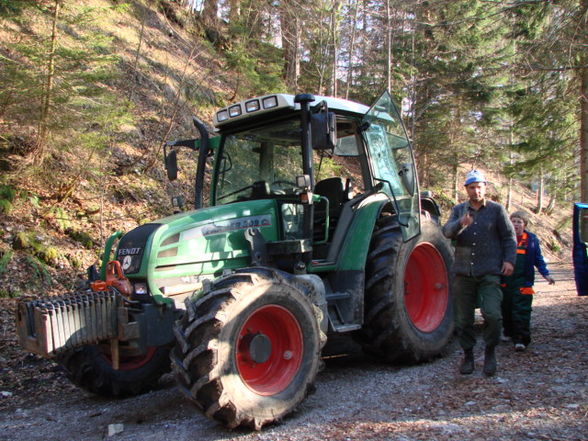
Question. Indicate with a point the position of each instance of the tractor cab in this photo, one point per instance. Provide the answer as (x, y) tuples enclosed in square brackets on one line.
[(315, 160)]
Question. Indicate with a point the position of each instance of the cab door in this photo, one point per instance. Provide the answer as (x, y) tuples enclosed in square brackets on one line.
[(580, 252), (392, 161)]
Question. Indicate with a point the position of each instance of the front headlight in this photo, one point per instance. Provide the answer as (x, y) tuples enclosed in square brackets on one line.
[(235, 110), (141, 288), (270, 102), (252, 106), (223, 115)]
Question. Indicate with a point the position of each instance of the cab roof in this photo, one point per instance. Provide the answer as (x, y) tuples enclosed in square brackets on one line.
[(278, 102)]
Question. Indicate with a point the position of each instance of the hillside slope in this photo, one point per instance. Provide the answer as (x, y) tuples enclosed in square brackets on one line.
[(55, 218), (104, 173)]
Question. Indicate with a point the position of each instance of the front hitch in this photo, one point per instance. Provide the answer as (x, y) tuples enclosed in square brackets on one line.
[(52, 325)]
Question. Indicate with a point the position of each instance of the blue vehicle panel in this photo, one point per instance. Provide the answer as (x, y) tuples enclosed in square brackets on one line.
[(580, 252)]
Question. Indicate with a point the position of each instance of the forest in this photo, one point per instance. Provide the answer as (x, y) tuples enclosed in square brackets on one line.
[(90, 91)]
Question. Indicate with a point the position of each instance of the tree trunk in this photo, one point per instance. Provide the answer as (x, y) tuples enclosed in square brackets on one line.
[(455, 180), (584, 113), (234, 12), (48, 92), (423, 168), (539, 208), (550, 205), (351, 47), (335, 43), (290, 25), (413, 90), (509, 191), (138, 51), (388, 47), (363, 66), (210, 14)]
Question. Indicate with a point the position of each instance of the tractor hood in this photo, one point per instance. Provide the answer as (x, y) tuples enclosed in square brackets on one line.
[(177, 252)]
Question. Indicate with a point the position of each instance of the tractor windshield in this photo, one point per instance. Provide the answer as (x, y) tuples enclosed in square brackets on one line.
[(259, 162)]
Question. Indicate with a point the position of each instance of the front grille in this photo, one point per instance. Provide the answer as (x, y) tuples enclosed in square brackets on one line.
[(131, 247), (52, 325)]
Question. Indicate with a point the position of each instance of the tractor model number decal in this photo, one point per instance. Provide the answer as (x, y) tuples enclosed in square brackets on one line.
[(221, 227)]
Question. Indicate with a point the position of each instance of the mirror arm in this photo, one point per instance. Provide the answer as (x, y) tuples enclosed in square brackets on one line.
[(202, 155), (306, 137)]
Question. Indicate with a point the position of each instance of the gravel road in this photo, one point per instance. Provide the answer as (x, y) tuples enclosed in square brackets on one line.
[(539, 394)]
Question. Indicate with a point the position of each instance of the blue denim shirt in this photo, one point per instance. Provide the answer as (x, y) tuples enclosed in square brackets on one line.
[(482, 247)]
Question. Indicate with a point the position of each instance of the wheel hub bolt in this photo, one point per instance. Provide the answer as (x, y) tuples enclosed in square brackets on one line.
[(288, 355)]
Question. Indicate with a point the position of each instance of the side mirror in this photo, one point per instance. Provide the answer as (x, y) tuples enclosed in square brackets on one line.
[(171, 165), (178, 203), (324, 130)]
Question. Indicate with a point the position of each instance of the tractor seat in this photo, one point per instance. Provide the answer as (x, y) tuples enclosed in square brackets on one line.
[(336, 190)]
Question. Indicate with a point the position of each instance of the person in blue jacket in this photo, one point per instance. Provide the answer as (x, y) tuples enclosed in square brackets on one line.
[(517, 289)]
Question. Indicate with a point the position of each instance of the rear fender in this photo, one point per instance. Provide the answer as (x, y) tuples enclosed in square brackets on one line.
[(354, 251), (350, 247), (430, 206)]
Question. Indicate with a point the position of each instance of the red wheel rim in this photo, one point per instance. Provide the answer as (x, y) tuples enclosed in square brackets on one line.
[(426, 287), (129, 363), (271, 372)]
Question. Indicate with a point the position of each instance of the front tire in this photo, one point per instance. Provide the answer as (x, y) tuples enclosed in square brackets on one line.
[(90, 368), (248, 348), (409, 305)]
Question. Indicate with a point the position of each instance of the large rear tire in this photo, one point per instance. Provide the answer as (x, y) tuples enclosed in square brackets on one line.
[(248, 348), (409, 305), (90, 367)]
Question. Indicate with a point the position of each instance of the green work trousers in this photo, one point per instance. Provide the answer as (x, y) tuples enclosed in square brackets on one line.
[(516, 311), (467, 290)]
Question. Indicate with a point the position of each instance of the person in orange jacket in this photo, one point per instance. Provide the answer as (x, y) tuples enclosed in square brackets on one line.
[(517, 289)]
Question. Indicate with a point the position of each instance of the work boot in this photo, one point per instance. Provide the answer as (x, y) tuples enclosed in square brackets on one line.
[(489, 361), (467, 364)]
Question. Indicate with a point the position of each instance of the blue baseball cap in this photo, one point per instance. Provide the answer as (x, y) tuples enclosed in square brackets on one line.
[(474, 176)]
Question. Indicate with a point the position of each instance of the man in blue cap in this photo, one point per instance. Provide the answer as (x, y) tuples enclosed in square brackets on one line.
[(485, 249)]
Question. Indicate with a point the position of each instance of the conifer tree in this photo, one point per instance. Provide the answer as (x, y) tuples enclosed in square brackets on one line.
[(458, 59), (542, 102), (58, 85)]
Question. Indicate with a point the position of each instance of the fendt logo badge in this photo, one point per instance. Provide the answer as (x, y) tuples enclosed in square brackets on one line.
[(128, 254), (126, 263)]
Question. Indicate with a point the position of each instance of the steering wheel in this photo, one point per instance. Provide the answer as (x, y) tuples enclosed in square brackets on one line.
[(278, 182), (292, 186), (234, 192)]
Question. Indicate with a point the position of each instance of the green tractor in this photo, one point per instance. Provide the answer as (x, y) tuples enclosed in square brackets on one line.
[(314, 229)]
